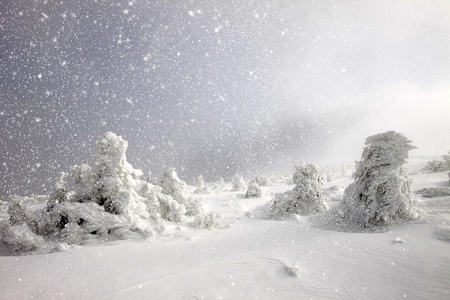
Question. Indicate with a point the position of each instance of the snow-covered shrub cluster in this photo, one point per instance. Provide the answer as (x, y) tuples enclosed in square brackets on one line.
[(439, 165), (261, 181), (110, 200), (436, 166), (305, 198), (219, 185), (381, 191)]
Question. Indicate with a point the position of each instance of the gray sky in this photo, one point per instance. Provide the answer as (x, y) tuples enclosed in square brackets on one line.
[(217, 87)]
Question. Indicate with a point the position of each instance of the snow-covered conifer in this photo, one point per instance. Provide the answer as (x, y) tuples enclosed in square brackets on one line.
[(179, 191), (200, 182), (305, 198), (85, 180), (381, 192), (59, 193), (174, 186), (201, 187), (238, 183), (114, 175)]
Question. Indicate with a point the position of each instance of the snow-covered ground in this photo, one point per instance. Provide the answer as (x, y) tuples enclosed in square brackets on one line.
[(254, 258)]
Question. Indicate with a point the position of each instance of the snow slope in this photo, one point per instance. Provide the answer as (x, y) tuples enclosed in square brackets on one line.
[(255, 258)]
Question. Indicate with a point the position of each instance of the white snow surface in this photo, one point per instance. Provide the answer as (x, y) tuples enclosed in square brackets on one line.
[(255, 258)]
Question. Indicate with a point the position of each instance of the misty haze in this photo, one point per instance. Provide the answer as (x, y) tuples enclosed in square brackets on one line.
[(224, 149)]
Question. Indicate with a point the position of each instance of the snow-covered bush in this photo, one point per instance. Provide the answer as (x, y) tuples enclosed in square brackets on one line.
[(208, 221), (22, 239), (201, 187), (218, 185), (59, 193), (115, 178), (22, 231), (447, 159), (436, 166), (381, 192), (261, 181), (85, 179), (305, 198), (328, 175), (174, 186), (179, 191), (110, 199), (439, 165), (238, 183), (254, 191), (220, 182), (200, 182)]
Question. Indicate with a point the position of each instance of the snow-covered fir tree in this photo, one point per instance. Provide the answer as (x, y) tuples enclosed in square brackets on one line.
[(381, 192), (238, 183), (201, 187), (218, 185), (115, 177), (174, 186), (59, 193), (305, 198)]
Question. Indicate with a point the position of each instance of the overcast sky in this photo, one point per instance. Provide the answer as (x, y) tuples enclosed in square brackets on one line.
[(217, 87)]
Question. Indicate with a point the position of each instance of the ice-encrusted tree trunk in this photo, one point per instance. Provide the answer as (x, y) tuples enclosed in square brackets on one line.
[(305, 198), (381, 192)]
